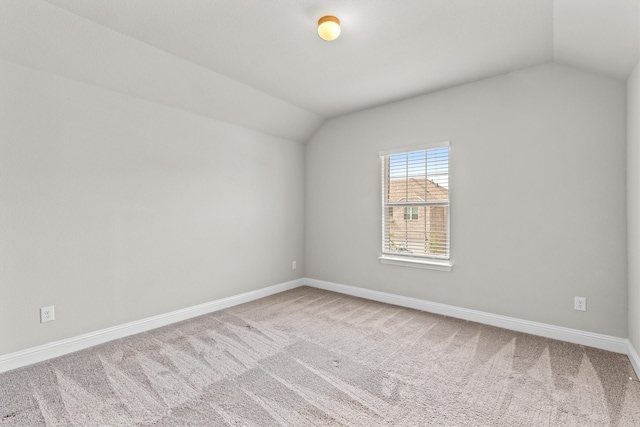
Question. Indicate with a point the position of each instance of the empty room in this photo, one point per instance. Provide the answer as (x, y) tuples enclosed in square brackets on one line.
[(320, 212)]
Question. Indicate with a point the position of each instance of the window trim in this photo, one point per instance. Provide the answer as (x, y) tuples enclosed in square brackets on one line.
[(426, 263), (431, 263)]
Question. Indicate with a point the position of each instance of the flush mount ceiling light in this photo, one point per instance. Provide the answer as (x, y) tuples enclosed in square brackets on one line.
[(328, 28)]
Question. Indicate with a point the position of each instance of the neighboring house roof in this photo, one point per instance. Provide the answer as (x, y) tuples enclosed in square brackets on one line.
[(416, 190)]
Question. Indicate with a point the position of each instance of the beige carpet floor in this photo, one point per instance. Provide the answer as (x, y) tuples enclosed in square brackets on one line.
[(308, 357)]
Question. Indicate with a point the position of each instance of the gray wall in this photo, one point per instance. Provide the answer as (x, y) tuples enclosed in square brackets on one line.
[(115, 209), (538, 197), (633, 203)]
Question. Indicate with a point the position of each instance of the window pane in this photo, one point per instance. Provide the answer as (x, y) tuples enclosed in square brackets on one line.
[(415, 198), (438, 174), (407, 175), (411, 213), (424, 236)]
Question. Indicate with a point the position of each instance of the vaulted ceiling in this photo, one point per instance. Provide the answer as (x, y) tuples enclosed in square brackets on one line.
[(267, 52)]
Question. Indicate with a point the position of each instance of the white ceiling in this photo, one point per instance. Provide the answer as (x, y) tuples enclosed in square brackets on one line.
[(598, 35), (388, 50)]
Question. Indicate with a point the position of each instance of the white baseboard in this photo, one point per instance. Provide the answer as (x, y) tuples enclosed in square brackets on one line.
[(59, 348), (604, 342), (635, 359)]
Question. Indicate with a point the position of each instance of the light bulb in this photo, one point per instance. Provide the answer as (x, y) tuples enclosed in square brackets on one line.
[(328, 28)]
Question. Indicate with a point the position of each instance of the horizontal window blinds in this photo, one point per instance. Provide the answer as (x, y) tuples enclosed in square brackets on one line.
[(415, 202)]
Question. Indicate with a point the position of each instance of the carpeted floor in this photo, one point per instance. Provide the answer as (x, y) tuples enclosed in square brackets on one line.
[(309, 357)]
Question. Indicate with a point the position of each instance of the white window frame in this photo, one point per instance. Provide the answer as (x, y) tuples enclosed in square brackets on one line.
[(432, 263)]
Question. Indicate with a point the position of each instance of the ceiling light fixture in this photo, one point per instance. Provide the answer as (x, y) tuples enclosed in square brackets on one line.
[(328, 28)]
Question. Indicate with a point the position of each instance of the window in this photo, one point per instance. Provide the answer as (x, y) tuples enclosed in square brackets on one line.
[(415, 206), (411, 213)]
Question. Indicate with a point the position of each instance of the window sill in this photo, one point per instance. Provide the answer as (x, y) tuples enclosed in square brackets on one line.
[(428, 264)]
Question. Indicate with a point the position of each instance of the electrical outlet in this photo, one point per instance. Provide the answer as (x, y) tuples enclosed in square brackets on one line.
[(47, 314), (580, 304), (293, 265)]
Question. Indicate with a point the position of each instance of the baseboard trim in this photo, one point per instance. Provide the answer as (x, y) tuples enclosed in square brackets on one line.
[(604, 342), (635, 359), (59, 348)]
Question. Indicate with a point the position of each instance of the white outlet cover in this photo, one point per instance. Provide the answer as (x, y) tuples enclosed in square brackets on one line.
[(47, 314), (580, 304)]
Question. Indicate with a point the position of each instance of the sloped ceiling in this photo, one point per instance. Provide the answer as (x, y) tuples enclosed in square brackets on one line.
[(597, 35), (265, 56)]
